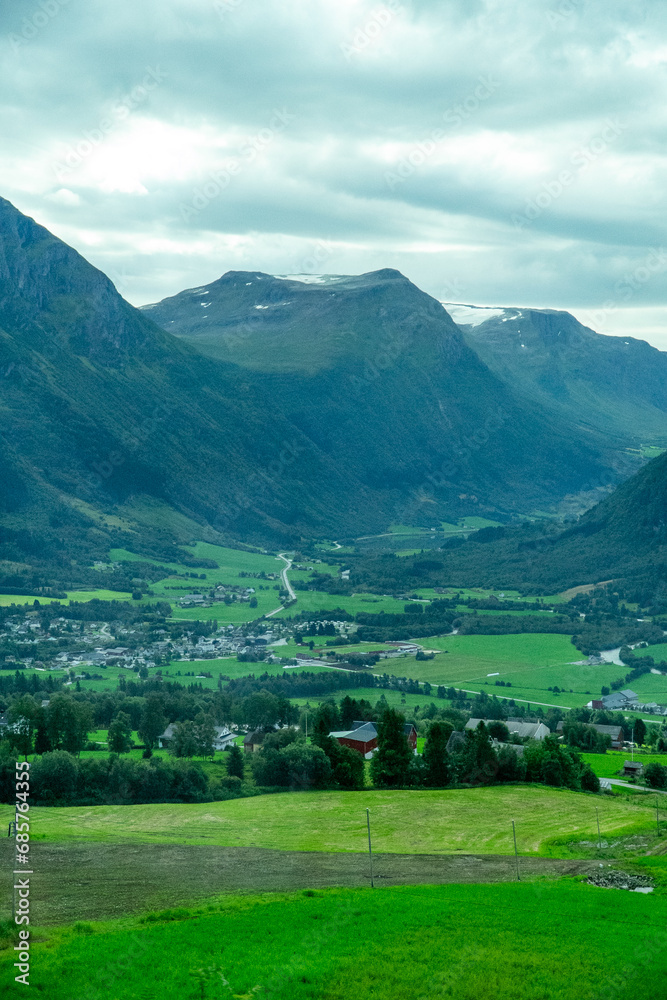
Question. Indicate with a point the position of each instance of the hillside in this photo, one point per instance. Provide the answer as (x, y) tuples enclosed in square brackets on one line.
[(376, 372), (363, 406), (617, 385), (623, 538)]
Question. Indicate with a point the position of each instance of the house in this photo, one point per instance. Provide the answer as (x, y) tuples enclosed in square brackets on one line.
[(223, 737), (456, 741), (524, 730), (253, 741), (615, 733), (634, 768)]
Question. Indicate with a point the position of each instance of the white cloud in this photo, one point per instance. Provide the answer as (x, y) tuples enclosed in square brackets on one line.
[(512, 92)]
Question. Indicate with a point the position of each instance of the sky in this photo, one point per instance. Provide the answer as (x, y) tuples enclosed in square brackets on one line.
[(496, 152)]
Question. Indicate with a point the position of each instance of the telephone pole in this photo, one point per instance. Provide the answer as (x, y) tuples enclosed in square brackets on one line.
[(370, 851), (516, 853)]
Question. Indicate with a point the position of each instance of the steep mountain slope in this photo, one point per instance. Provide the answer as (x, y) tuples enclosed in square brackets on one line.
[(102, 407), (617, 385), (622, 539), (376, 372)]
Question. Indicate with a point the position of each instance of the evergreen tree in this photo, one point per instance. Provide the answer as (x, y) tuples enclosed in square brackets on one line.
[(390, 763), (436, 758), (153, 722), (235, 762)]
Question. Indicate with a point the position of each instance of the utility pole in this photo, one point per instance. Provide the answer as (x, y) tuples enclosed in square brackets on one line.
[(657, 815), (632, 747), (370, 851), (516, 853), (597, 816)]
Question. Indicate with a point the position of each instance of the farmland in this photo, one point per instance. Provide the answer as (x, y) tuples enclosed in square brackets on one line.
[(476, 820), (394, 942)]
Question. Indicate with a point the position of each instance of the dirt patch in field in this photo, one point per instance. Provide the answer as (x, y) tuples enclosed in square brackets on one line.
[(97, 881)]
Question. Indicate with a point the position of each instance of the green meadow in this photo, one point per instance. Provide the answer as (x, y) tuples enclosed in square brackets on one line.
[(523, 941), (609, 764), (473, 821)]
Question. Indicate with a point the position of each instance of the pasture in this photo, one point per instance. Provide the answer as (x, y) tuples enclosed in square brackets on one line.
[(474, 659), (505, 941), (474, 820)]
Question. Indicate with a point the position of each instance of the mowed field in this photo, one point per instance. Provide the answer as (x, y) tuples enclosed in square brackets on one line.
[(531, 662), (477, 820), (502, 942)]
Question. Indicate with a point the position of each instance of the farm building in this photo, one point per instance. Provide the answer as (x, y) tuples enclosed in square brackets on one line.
[(363, 737), (633, 768)]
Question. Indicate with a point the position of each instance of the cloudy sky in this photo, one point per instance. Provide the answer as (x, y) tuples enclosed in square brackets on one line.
[(501, 152)]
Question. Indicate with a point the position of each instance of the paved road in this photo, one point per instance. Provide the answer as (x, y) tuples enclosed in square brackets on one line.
[(286, 584), (634, 788), (283, 575)]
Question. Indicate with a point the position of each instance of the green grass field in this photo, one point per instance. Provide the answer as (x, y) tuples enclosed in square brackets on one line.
[(6, 600), (315, 600), (476, 820), (607, 765), (522, 941), (471, 658)]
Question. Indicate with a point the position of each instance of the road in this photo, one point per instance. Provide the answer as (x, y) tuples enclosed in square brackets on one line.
[(283, 575), (286, 584), (635, 788)]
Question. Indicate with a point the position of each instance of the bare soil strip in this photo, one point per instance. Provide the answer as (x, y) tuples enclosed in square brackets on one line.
[(99, 881)]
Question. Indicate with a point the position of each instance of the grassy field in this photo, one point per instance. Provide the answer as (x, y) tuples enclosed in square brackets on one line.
[(476, 820), (505, 942), (6, 600), (606, 765), (470, 659), (315, 600)]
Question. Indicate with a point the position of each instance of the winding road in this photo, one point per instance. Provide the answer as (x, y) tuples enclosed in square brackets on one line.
[(286, 584)]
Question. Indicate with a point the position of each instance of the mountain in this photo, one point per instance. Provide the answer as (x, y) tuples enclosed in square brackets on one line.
[(616, 385), (103, 411), (360, 405), (378, 375)]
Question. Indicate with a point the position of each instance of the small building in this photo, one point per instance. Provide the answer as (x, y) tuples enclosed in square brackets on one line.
[(456, 741), (633, 768), (253, 741)]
